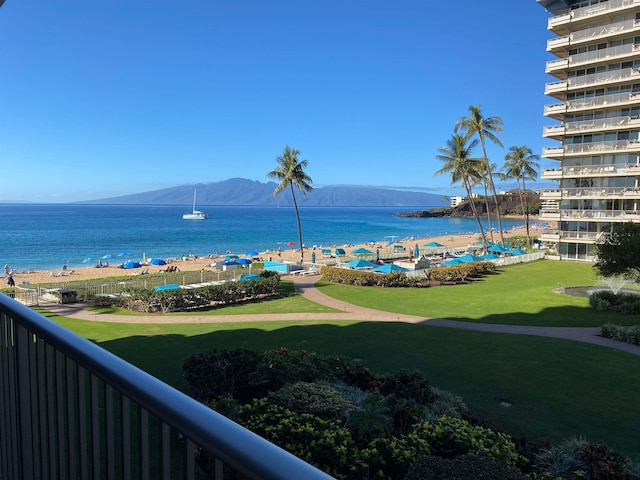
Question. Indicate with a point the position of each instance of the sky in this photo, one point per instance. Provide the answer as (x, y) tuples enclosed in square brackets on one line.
[(101, 99)]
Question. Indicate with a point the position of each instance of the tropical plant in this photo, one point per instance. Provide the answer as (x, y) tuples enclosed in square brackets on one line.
[(461, 167), (371, 419), (484, 128), (322, 401), (520, 164), (290, 172), (464, 467), (617, 254)]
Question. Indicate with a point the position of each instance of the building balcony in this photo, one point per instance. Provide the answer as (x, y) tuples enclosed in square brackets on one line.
[(550, 236), (588, 15), (547, 215), (558, 110), (600, 170), (611, 54), (581, 237), (73, 410), (551, 174), (580, 149), (550, 194), (558, 89), (600, 215)]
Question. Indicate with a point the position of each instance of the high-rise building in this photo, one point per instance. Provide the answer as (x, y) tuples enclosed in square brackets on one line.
[(596, 108)]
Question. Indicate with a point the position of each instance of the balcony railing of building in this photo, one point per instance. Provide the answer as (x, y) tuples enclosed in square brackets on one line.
[(589, 33), (592, 147), (607, 215), (617, 123), (611, 53), (594, 79), (593, 102), (591, 11), (584, 236), (590, 192), (589, 171), (70, 409)]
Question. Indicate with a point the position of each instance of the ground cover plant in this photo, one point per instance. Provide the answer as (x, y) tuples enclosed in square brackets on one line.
[(523, 294)]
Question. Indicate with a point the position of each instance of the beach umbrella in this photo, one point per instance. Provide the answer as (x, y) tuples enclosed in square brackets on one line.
[(231, 258), (124, 254), (131, 264), (389, 268), (291, 244), (360, 263), (157, 261), (497, 249), (361, 251), (453, 261), (416, 251), (87, 260), (229, 262), (433, 245), (468, 258), (488, 256), (252, 253), (107, 256), (243, 261)]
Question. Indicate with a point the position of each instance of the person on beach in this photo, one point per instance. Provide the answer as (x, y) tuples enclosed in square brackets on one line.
[(6, 270), (10, 281)]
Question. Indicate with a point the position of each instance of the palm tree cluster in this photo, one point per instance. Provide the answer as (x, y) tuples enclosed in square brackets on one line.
[(471, 171)]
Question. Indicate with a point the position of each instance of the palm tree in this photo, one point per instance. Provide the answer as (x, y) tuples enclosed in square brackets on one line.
[(459, 164), (520, 163), (484, 128), (290, 172)]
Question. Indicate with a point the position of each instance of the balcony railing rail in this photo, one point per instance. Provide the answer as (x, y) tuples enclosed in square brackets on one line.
[(591, 147), (71, 410), (600, 214), (593, 102), (593, 192), (595, 79), (597, 55)]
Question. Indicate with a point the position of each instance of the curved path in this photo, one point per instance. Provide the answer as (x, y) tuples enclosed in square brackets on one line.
[(305, 286)]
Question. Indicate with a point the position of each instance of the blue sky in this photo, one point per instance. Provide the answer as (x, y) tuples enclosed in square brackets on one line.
[(101, 99)]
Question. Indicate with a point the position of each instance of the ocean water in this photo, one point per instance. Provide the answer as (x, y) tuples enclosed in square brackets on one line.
[(49, 236)]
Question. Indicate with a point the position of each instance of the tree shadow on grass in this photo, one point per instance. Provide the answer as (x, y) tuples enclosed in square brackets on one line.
[(557, 388)]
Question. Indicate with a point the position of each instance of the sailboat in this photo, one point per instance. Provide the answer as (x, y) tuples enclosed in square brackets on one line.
[(195, 214)]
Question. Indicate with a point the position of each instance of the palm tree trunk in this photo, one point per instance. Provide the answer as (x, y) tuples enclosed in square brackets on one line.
[(486, 205), (472, 204), (295, 204), (526, 215), (493, 188), (524, 209)]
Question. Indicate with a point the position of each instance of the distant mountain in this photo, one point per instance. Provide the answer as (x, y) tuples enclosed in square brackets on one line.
[(240, 191)]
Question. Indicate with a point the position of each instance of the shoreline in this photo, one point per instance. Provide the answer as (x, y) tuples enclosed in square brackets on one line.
[(454, 241)]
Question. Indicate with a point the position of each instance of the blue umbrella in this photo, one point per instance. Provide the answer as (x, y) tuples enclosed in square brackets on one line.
[(124, 254), (244, 261), (229, 263), (107, 256), (361, 264), (453, 261), (87, 260), (390, 267), (157, 261), (469, 258), (231, 258), (131, 264), (252, 253), (497, 249), (433, 245), (362, 251), (489, 256)]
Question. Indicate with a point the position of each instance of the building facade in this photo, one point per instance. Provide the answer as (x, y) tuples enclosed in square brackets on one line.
[(596, 112)]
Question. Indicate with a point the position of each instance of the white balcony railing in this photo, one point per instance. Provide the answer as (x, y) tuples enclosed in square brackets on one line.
[(599, 170), (590, 192), (593, 33), (591, 125), (593, 102), (593, 147), (620, 215), (593, 79)]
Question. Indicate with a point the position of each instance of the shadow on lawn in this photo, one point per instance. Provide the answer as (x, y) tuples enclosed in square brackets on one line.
[(538, 374)]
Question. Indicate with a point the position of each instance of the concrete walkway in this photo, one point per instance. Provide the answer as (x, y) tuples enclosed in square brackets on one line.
[(305, 286)]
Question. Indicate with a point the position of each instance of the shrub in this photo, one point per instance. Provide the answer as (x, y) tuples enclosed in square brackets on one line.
[(320, 400), (451, 437), (465, 467), (218, 374), (621, 333), (445, 403), (324, 444), (408, 383), (561, 460)]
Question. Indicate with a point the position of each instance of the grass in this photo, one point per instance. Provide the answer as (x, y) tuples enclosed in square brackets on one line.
[(521, 294), (557, 388)]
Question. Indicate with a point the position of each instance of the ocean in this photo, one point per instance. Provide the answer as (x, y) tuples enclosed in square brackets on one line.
[(48, 236)]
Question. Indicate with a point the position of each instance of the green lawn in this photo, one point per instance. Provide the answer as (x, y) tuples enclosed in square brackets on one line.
[(518, 295), (557, 388)]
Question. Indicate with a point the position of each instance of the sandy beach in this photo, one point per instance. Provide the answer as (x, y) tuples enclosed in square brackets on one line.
[(290, 254)]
